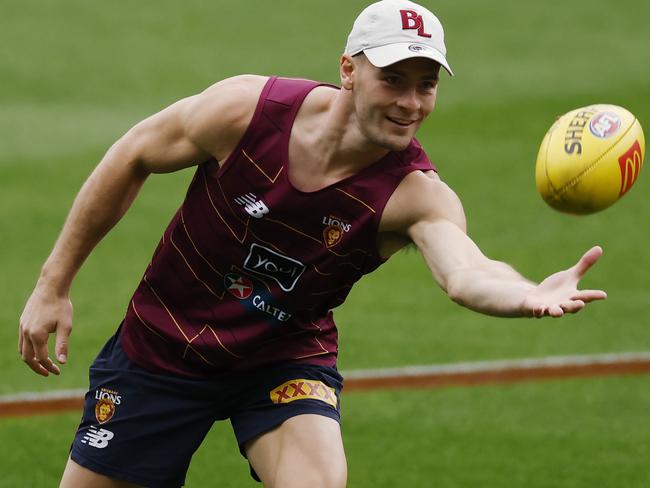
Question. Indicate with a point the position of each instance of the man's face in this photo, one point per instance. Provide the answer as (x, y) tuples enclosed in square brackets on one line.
[(391, 102)]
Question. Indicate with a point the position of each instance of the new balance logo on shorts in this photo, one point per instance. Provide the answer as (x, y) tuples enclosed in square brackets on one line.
[(97, 438)]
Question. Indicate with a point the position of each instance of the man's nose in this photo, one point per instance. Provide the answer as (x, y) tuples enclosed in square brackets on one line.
[(409, 101)]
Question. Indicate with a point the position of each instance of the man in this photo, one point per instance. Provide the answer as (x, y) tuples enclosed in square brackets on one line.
[(301, 188)]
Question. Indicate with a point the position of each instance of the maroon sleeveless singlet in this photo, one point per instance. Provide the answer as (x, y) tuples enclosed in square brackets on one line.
[(249, 269)]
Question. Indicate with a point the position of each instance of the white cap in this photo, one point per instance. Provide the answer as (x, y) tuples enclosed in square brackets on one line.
[(390, 31)]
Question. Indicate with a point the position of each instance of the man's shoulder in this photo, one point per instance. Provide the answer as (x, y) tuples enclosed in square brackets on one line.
[(233, 92), (220, 114), (249, 86), (421, 196)]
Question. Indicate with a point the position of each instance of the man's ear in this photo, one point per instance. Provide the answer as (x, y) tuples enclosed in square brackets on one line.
[(347, 72)]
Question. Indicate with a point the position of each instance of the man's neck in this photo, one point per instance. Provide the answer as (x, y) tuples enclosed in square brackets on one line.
[(339, 145)]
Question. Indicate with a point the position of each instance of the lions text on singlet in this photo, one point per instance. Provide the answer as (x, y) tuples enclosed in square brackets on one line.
[(249, 269)]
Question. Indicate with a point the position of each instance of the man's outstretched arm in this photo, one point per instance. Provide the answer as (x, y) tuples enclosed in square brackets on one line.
[(184, 134), (436, 224)]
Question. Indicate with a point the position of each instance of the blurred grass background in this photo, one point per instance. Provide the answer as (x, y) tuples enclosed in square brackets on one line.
[(75, 75)]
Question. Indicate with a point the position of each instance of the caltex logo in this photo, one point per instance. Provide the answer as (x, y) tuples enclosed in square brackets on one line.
[(238, 286)]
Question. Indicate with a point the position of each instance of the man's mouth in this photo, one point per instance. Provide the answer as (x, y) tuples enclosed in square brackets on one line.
[(401, 122)]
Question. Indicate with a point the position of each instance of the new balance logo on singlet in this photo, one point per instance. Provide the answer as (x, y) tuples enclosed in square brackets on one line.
[(254, 207), (97, 438)]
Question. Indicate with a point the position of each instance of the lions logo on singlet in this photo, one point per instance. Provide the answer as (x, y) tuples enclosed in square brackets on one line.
[(332, 235), (334, 230)]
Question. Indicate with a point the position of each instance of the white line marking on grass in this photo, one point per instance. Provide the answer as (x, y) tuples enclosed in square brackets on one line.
[(42, 396), (500, 365), (421, 376)]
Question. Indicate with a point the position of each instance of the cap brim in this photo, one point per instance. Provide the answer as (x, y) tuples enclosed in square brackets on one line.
[(383, 56)]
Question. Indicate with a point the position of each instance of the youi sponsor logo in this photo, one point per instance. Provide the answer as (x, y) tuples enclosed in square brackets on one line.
[(285, 271)]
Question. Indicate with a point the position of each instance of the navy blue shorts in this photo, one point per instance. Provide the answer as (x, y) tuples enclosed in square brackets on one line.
[(143, 427)]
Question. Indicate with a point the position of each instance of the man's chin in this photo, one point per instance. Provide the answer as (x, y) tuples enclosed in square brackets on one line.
[(391, 141), (397, 143)]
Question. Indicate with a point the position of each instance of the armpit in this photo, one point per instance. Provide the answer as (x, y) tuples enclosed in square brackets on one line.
[(388, 243)]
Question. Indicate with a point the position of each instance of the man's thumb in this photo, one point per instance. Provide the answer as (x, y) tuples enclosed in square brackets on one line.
[(61, 348)]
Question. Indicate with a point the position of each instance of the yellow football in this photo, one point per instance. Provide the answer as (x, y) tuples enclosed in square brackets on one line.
[(589, 158)]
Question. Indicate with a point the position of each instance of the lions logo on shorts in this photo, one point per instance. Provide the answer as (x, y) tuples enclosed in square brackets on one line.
[(104, 410)]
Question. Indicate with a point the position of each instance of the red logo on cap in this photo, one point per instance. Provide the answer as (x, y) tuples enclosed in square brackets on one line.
[(412, 20)]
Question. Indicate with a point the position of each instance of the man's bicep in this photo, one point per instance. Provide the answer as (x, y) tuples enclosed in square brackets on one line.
[(440, 235), (161, 143)]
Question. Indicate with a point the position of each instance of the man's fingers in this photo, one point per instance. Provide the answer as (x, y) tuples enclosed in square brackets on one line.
[(61, 348), (587, 260), (44, 314), (572, 306), (50, 366), (538, 311), (37, 367), (590, 295), (30, 359), (42, 354)]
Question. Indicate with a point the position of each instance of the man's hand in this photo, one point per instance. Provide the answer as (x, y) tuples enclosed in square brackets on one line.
[(558, 294), (44, 314)]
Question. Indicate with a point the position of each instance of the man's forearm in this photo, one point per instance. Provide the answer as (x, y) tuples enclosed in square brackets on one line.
[(496, 289), (101, 202)]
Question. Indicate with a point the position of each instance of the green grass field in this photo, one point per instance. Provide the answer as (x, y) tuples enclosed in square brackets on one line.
[(575, 433), (76, 75)]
